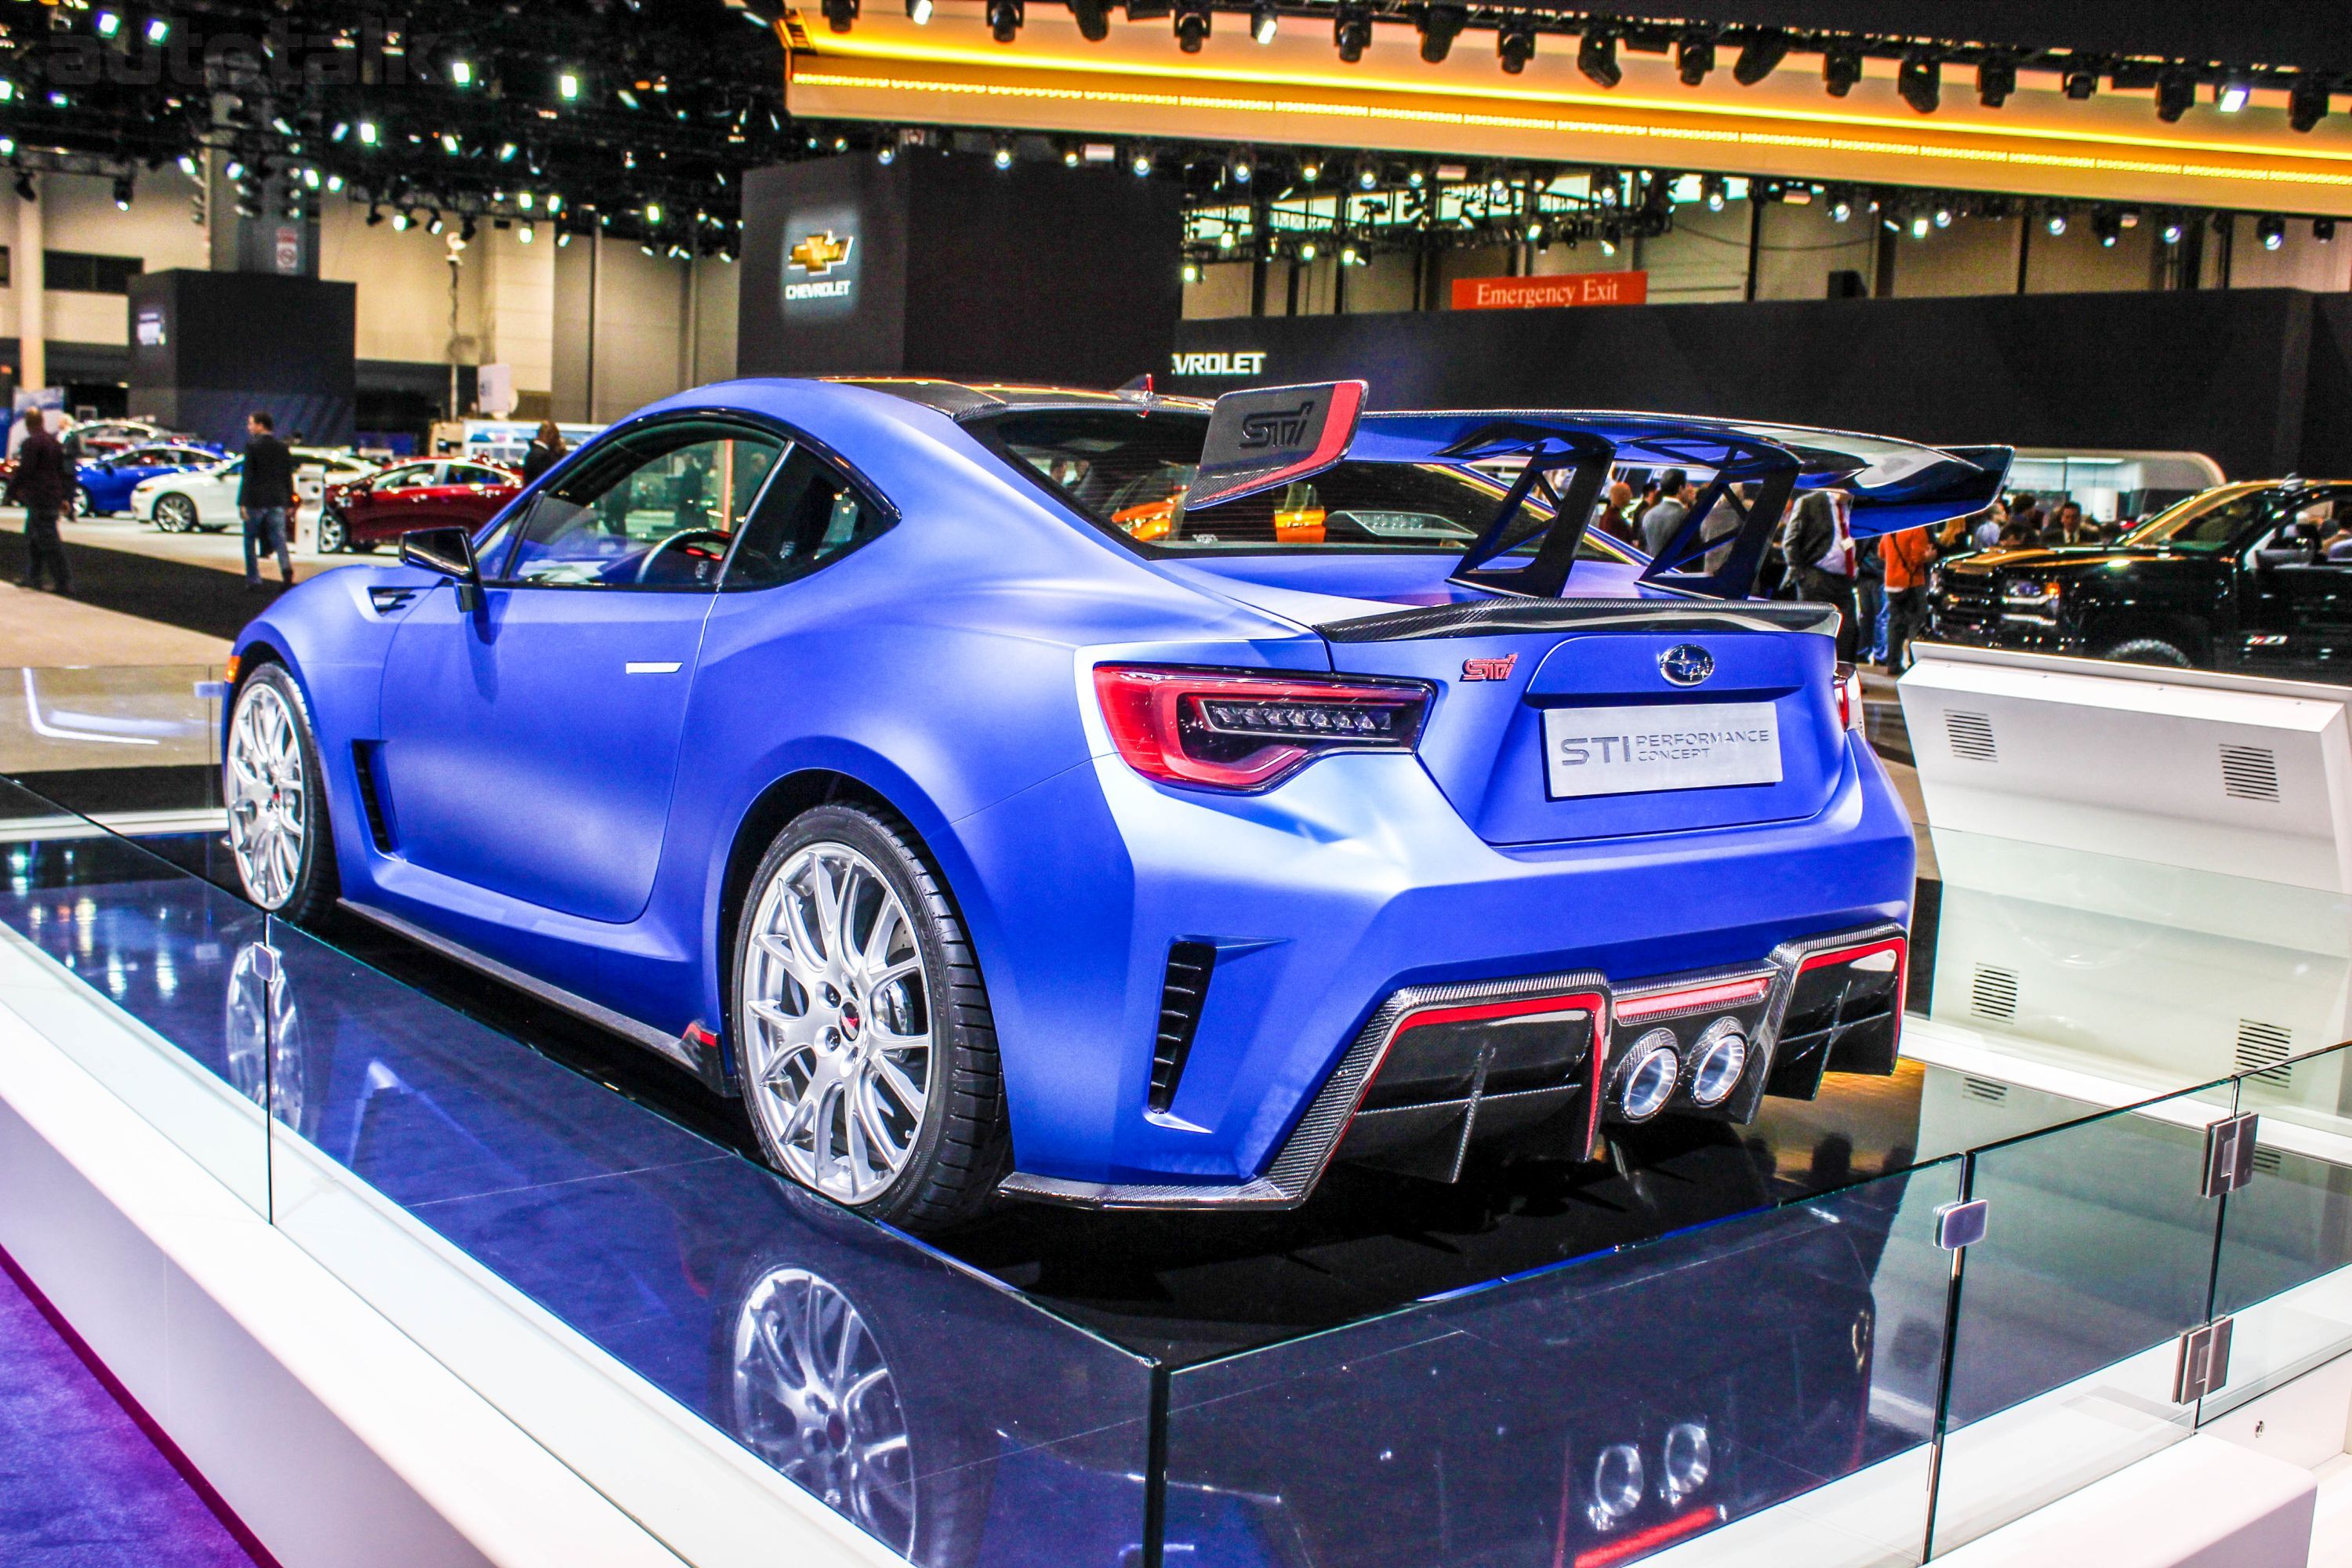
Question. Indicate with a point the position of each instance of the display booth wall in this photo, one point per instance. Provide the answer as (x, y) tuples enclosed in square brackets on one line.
[(209, 348), (2261, 380), (948, 267)]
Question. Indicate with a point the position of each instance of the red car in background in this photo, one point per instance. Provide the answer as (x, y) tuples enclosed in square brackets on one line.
[(432, 492)]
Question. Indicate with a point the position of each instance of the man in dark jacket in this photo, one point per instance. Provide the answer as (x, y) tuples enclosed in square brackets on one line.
[(44, 484), (265, 494)]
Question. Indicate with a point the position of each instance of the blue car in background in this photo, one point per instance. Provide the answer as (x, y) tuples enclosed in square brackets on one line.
[(107, 482), (1120, 800)]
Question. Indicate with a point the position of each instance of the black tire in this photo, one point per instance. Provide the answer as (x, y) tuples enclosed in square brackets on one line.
[(79, 506), (961, 1150), (334, 534), (2149, 650), (308, 895)]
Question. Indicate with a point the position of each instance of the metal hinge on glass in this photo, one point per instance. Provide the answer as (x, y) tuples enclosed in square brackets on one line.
[(1961, 1225), (2204, 1361), (268, 964), (2229, 1154)]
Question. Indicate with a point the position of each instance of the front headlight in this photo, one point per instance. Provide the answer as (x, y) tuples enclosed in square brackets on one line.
[(2026, 591)]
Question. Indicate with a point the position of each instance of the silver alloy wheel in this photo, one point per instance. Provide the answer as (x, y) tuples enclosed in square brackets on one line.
[(263, 1031), (175, 514), (838, 1022), (814, 1398), (269, 804), (332, 535)]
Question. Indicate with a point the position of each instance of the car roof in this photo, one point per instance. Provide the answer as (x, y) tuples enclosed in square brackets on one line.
[(962, 400)]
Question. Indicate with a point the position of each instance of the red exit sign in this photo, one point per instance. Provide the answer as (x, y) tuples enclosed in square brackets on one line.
[(1558, 290)]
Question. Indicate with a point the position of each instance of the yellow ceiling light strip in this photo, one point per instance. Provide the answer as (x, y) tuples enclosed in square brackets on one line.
[(1038, 93)]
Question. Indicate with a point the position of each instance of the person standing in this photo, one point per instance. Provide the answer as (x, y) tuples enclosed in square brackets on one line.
[(44, 484), (1821, 554), (1660, 524), (265, 495), (1907, 554), (547, 449)]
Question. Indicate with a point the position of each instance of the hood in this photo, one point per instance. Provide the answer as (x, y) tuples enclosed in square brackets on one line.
[(2061, 559)]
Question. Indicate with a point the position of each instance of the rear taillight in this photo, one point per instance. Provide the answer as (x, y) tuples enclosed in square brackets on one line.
[(1849, 696), (1236, 731)]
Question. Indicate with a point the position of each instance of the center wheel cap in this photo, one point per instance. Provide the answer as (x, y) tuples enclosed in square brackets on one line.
[(850, 1019)]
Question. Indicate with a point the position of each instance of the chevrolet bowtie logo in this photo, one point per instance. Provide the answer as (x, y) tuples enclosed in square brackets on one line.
[(820, 253)]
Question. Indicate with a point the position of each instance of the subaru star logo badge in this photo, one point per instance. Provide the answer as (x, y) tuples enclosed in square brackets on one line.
[(1687, 664)]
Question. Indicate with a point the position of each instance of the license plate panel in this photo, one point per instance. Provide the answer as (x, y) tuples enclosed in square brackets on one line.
[(1645, 750)]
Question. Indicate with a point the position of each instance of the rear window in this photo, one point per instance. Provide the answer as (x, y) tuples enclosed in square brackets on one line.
[(1125, 470)]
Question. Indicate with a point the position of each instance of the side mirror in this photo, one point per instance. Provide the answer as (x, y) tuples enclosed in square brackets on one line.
[(450, 551)]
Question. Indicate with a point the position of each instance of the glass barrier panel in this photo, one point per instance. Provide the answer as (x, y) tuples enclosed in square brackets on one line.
[(125, 743), (527, 1224), (2285, 1273), (143, 974), (1763, 1384), (2097, 1255)]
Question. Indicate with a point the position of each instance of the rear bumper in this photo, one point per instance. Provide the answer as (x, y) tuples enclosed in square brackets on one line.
[(1825, 1003)]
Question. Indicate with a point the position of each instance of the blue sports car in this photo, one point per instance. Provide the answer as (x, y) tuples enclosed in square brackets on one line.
[(107, 482), (1120, 800)]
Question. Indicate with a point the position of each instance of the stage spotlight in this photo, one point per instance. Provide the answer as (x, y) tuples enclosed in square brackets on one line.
[(399, 223), (887, 154), (2056, 224), (1921, 83), (918, 12), (25, 190), (2080, 82), (1712, 192), (1841, 209), (1003, 156), (2323, 229), (1192, 24), (1351, 32), (2230, 97), (1610, 235), (2174, 94), (461, 71), (567, 87), (159, 29), (1761, 55), (1368, 176), (1841, 69), (1996, 80), (840, 14), (1919, 227), (2109, 227), (1241, 168), (109, 24), (1694, 57), (1306, 250), (1139, 165), (1264, 22), (2306, 103), (2171, 231), (1943, 217), (467, 230), (1596, 56), (375, 215), (369, 134), (2271, 230), (1310, 170), (1004, 17), (1439, 26), (525, 233), (123, 193), (1514, 43), (435, 225)]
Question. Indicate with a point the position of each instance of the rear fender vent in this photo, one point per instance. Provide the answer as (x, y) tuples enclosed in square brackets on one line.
[(1989, 1090), (1183, 994), (2250, 772), (2263, 1049), (1993, 994), (1971, 736)]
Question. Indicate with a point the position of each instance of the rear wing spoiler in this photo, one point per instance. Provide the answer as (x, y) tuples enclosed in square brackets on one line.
[(1275, 436)]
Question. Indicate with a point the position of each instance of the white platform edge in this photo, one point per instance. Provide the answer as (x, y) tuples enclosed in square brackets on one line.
[(336, 1438)]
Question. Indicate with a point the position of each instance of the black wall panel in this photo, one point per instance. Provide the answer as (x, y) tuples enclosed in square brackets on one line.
[(208, 348)]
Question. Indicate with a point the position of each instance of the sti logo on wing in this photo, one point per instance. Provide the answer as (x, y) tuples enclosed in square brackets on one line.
[(1277, 427), (1489, 668)]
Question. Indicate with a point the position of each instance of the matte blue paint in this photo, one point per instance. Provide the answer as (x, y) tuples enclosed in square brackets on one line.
[(577, 823)]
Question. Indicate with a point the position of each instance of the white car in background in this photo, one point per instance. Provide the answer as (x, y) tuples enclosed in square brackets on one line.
[(205, 498)]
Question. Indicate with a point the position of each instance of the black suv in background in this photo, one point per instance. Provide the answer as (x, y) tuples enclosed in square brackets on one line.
[(2251, 577)]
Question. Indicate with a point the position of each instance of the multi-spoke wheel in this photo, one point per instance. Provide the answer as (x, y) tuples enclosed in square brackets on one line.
[(175, 514), (277, 804), (334, 533), (869, 1062), (814, 1397)]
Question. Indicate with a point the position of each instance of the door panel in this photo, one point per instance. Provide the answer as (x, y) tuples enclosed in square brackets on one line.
[(531, 747)]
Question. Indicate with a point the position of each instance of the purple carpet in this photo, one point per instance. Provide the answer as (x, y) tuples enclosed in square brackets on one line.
[(82, 1485)]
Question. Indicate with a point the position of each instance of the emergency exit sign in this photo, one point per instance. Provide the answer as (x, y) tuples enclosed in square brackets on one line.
[(1547, 293)]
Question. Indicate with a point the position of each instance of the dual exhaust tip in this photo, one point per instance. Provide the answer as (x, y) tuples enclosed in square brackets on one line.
[(1653, 1068)]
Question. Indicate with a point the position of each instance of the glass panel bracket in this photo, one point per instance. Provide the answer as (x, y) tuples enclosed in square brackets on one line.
[(2229, 1154), (1961, 1225), (2204, 1364)]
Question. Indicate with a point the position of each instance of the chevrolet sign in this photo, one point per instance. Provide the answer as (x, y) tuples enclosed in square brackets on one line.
[(1237, 361)]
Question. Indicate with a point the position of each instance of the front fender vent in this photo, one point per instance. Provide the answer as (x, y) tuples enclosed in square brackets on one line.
[(1184, 991), (2250, 772), (1971, 736)]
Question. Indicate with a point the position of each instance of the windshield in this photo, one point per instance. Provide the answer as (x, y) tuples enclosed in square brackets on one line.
[(1126, 469), (2205, 523)]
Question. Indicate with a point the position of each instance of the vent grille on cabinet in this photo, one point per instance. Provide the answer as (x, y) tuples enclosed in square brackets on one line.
[(1984, 1088), (2268, 1161), (1183, 994), (2262, 1050), (1971, 736), (1993, 994), (2250, 772)]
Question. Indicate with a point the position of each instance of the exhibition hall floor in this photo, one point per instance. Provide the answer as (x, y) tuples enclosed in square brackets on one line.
[(1400, 1372)]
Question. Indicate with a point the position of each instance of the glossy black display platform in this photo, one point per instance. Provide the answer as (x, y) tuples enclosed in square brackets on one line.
[(1547, 1362)]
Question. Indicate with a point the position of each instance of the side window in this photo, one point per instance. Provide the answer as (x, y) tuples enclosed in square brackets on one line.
[(474, 474), (812, 515), (655, 508)]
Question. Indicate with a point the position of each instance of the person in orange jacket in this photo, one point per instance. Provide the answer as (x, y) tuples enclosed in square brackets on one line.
[(1907, 556)]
